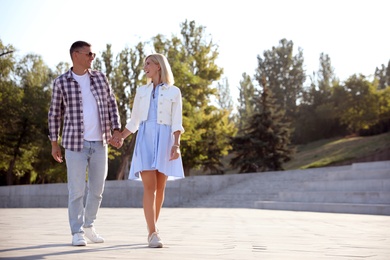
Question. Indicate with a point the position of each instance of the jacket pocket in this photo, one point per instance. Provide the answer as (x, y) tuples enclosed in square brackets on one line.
[(141, 96)]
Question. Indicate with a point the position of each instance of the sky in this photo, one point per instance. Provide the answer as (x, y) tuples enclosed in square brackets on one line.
[(355, 34)]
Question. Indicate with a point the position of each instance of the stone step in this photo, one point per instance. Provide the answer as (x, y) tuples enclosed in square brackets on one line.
[(222, 199), (348, 185), (325, 189), (357, 174), (259, 187), (375, 209), (306, 175), (221, 203), (372, 165), (354, 197)]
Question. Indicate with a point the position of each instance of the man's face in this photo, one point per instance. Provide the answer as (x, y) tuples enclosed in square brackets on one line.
[(84, 57)]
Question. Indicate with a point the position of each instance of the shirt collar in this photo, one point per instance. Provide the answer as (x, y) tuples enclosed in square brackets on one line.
[(70, 76)]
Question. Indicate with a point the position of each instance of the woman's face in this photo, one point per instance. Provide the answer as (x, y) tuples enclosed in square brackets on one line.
[(151, 69)]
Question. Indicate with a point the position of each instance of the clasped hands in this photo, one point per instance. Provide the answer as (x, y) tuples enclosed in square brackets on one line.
[(116, 139)]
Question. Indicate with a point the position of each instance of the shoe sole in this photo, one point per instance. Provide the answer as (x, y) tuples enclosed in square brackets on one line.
[(81, 244), (95, 240), (159, 246), (156, 246)]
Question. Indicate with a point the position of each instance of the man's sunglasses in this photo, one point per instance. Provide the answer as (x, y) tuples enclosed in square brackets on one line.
[(90, 54)]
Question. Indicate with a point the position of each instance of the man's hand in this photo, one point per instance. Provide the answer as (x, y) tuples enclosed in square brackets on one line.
[(56, 152), (116, 139)]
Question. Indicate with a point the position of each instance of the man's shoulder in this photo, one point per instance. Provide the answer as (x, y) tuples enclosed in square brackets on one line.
[(63, 77), (97, 73)]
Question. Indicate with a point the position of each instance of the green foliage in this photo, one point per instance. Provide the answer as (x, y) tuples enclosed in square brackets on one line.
[(264, 144), (317, 117), (7, 61), (382, 74), (384, 103), (25, 110), (358, 108), (224, 98), (284, 75), (325, 109), (124, 76), (211, 128), (245, 101), (192, 58)]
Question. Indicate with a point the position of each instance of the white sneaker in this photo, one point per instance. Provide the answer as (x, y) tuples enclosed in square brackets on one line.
[(79, 240), (91, 234), (155, 241)]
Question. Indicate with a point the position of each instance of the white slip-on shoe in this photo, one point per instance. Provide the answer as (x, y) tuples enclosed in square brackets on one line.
[(155, 241), (91, 234), (79, 240)]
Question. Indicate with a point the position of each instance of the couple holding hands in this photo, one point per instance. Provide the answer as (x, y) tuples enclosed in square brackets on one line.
[(85, 105)]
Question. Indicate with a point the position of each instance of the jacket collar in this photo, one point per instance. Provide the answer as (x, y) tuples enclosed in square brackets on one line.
[(164, 86)]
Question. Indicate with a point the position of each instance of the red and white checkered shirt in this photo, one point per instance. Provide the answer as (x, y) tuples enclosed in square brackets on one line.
[(66, 104)]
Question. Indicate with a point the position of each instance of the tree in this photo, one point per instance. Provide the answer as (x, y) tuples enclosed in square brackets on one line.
[(26, 107), (264, 143), (124, 76), (284, 74), (317, 117), (10, 100), (127, 76), (383, 76), (224, 99), (357, 103), (7, 61), (192, 58), (245, 101), (212, 127)]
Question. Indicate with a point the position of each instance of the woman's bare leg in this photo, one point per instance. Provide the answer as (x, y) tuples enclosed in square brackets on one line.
[(160, 192), (149, 180)]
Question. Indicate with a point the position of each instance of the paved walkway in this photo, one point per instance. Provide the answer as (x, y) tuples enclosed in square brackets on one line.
[(198, 233)]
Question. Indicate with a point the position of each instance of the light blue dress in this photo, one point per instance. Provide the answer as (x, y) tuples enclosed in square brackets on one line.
[(153, 146)]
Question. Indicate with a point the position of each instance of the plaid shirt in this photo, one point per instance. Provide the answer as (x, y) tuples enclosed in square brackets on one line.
[(66, 103)]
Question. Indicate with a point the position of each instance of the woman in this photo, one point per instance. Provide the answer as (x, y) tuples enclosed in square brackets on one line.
[(157, 115)]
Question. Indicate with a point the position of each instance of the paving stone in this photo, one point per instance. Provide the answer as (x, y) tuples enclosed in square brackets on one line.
[(198, 233)]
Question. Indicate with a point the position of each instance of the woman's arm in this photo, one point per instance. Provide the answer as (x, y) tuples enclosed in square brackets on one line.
[(125, 133), (175, 150)]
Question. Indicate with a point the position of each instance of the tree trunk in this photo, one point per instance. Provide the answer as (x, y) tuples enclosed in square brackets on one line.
[(187, 170), (11, 166), (125, 158), (10, 176)]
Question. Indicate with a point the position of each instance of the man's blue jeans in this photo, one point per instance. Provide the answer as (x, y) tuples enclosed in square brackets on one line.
[(93, 161)]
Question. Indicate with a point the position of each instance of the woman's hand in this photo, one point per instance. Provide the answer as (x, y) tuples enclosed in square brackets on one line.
[(175, 152), (116, 140)]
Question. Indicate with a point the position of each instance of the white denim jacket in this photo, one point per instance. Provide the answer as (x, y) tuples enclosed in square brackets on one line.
[(169, 107)]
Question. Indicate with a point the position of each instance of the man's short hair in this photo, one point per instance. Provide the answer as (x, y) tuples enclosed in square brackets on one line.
[(78, 45)]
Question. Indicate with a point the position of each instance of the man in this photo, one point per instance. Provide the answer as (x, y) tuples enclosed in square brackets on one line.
[(83, 99)]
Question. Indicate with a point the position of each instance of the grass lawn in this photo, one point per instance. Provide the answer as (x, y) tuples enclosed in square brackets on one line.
[(326, 152)]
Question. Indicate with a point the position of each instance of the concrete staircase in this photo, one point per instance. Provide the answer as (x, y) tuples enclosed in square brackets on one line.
[(361, 188)]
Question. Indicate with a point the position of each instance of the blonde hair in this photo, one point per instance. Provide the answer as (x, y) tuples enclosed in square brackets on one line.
[(165, 72)]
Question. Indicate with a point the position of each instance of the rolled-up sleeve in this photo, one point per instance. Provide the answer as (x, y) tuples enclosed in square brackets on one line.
[(133, 124), (56, 112), (113, 109), (177, 113)]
